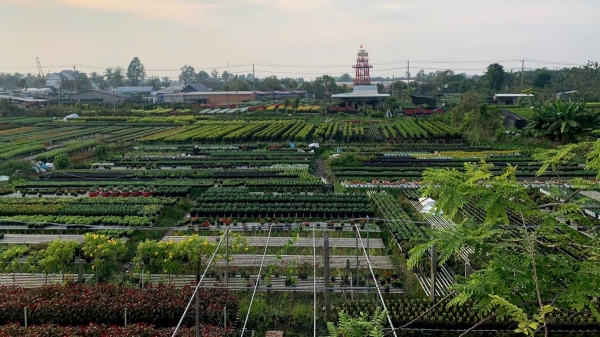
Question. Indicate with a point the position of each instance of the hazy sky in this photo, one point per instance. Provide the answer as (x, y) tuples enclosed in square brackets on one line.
[(308, 37)]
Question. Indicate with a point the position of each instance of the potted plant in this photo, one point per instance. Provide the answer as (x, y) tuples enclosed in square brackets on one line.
[(147, 192), (135, 191), (105, 192), (114, 192), (94, 191), (125, 191)]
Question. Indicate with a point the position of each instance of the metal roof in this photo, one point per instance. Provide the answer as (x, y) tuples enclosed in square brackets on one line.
[(513, 95), (197, 87), (361, 91), (135, 89)]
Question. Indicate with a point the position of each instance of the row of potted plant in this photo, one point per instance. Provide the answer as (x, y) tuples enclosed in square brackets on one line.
[(126, 191)]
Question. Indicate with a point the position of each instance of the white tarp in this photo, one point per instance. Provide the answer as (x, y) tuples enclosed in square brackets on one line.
[(428, 205), (71, 116)]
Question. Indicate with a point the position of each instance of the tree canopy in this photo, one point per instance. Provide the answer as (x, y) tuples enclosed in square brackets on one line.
[(136, 73)]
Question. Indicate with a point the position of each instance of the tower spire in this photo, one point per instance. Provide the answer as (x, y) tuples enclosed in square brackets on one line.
[(362, 67)]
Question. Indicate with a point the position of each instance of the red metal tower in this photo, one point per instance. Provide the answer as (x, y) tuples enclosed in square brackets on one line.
[(362, 68)]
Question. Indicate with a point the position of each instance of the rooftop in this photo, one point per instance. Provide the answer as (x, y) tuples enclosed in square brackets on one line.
[(135, 89), (361, 91)]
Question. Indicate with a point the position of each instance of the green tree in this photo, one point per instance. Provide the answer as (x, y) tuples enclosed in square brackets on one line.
[(201, 77), (106, 253), (187, 75), (136, 73), (100, 152), (480, 125), (9, 167), (521, 273), (58, 255), (114, 77), (61, 161), (542, 78), (494, 77), (9, 109), (154, 81), (345, 78), (270, 83), (165, 82), (98, 80)]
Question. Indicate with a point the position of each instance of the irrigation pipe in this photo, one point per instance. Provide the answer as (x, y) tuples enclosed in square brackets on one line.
[(376, 284), (257, 280), (198, 285)]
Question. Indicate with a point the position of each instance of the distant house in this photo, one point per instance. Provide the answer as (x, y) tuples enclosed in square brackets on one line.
[(38, 92), (209, 97), (135, 91), (175, 88), (509, 99), (55, 80), (211, 85), (195, 88), (98, 96)]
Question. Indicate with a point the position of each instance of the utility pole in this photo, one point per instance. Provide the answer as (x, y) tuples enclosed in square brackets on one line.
[(522, 71), (236, 91), (253, 79), (392, 85), (408, 71)]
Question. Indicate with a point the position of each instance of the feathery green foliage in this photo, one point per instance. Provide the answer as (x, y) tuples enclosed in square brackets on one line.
[(533, 262), (362, 326)]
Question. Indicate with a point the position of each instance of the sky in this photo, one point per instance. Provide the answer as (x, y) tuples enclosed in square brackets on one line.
[(300, 38)]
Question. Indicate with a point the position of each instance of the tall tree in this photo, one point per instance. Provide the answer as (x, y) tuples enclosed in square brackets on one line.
[(226, 76), (187, 75), (214, 74), (136, 73), (345, 78), (494, 77), (114, 77), (270, 83), (201, 77), (165, 82), (542, 78), (154, 81), (98, 80)]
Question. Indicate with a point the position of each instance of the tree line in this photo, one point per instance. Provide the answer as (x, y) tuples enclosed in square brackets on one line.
[(544, 82)]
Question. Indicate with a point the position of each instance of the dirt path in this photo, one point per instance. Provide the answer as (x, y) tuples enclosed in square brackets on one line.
[(321, 171)]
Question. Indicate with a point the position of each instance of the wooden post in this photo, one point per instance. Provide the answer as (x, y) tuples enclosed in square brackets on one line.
[(433, 270), (80, 271)]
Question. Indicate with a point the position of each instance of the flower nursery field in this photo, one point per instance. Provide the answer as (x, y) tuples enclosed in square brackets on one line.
[(265, 225)]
